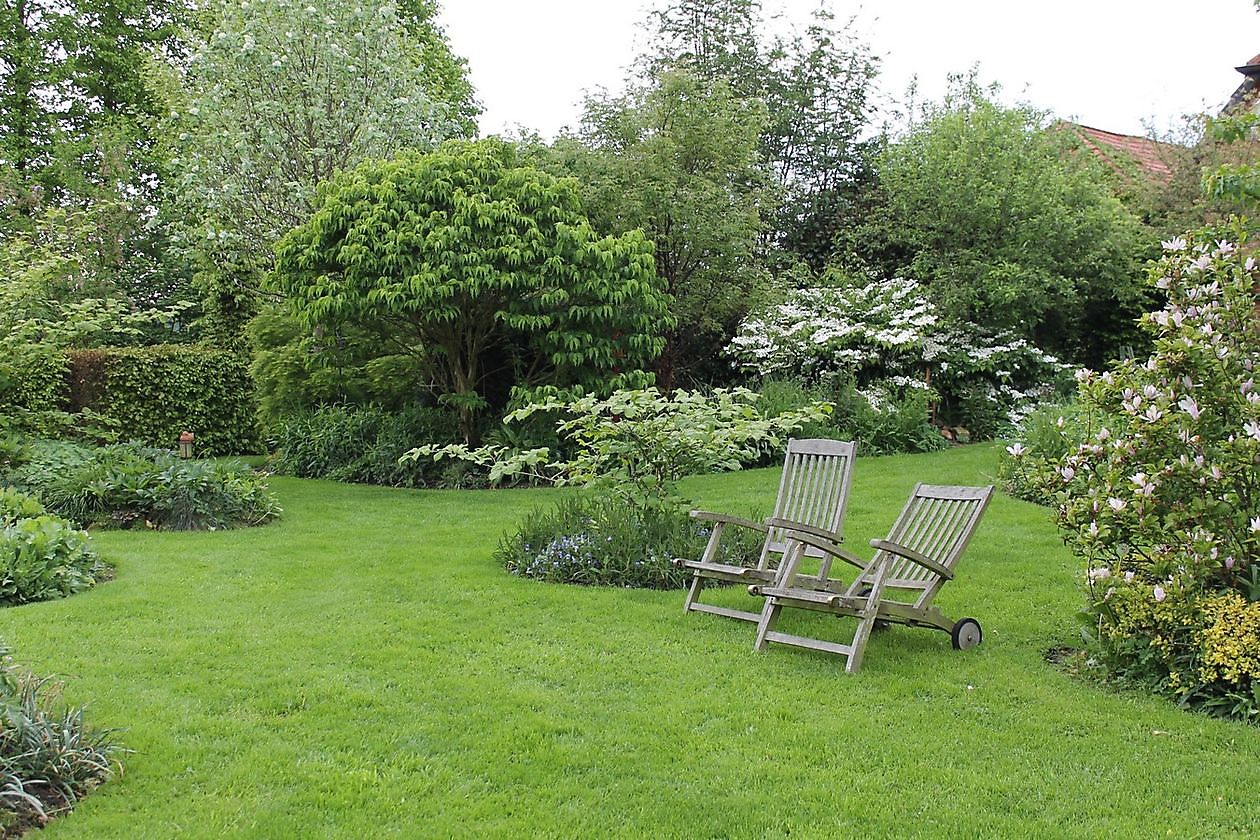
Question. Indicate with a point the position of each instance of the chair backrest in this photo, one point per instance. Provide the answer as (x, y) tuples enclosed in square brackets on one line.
[(814, 489), (937, 522)]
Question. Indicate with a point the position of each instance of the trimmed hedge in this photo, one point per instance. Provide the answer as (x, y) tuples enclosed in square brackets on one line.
[(33, 379), (155, 393)]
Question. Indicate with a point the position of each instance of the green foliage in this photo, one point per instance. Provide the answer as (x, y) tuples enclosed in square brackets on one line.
[(1237, 181), (41, 556), (280, 97), (882, 420), (472, 263), (362, 445), (125, 486), (887, 333), (1007, 230), (677, 159), (49, 757), (636, 445), (1049, 434), (598, 541), (815, 86), (156, 393), (1162, 508), (296, 371)]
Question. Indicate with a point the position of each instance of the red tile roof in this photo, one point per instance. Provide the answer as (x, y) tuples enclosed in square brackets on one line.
[(1146, 153)]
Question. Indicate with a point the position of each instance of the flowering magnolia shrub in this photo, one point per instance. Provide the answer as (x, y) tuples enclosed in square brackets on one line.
[(887, 331), (1028, 468), (1162, 505)]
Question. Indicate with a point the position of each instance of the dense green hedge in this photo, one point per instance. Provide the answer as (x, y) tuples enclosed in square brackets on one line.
[(155, 393), (33, 379)]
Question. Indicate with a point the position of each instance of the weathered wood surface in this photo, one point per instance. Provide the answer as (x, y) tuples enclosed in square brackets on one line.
[(813, 494), (917, 558)]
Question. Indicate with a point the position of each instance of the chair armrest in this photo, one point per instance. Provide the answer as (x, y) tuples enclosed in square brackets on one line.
[(705, 516), (793, 531), (801, 527), (914, 557)]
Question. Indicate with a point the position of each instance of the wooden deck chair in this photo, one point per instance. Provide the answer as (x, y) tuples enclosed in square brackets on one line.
[(813, 492), (898, 584)]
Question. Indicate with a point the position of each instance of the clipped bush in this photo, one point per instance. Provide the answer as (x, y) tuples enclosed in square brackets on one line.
[(49, 757), (597, 540), (363, 445), (126, 485), (155, 393), (32, 378), (42, 557)]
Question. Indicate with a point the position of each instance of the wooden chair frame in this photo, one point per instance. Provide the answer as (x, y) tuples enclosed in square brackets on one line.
[(915, 561), (813, 494)]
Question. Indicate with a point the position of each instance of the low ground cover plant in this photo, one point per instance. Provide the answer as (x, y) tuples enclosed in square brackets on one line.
[(1160, 503), (628, 451), (127, 485), (49, 757), (42, 556), (596, 540)]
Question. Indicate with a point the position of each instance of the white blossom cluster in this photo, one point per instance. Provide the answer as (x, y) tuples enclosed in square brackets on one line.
[(888, 331)]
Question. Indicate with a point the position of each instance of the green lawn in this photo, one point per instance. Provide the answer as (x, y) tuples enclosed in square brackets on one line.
[(363, 668)]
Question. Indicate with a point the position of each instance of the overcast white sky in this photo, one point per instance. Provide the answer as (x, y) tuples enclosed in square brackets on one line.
[(1111, 64)]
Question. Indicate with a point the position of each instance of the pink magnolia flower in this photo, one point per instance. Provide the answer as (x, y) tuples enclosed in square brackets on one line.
[(1101, 573), (1016, 449), (1255, 523), (1252, 428), (1191, 407), (1229, 563), (1117, 504), (1174, 244), (1159, 593), (1128, 577), (1068, 473)]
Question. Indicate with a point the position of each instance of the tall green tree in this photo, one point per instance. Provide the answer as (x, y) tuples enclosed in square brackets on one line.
[(815, 84), (281, 96), (475, 265), (679, 161), (1007, 228)]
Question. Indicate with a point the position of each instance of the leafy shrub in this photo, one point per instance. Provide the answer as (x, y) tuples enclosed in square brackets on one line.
[(32, 378), (49, 757), (887, 333), (155, 393), (41, 556), (1048, 435), (126, 485), (1162, 507), (882, 421), (363, 445), (598, 540)]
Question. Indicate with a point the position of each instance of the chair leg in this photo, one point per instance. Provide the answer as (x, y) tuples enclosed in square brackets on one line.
[(693, 592), (769, 613), (865, 625)]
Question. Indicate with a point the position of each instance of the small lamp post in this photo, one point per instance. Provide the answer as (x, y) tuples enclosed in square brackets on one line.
[(186, 444)]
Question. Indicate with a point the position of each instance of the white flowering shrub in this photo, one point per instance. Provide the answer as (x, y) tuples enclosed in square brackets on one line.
[(1163, 505), (887, 331)]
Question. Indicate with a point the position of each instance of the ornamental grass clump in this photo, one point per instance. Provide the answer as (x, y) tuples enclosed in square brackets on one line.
[(49, 757), (1162, 505)]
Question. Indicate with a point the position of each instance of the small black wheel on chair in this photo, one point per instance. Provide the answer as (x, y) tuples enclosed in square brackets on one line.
[(966, 634)]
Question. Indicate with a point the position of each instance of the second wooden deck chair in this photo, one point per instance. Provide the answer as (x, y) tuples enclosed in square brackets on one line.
[(896, 586), (813, 492)]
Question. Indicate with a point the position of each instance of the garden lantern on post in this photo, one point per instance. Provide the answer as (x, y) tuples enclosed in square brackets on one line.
[(186, 444)]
